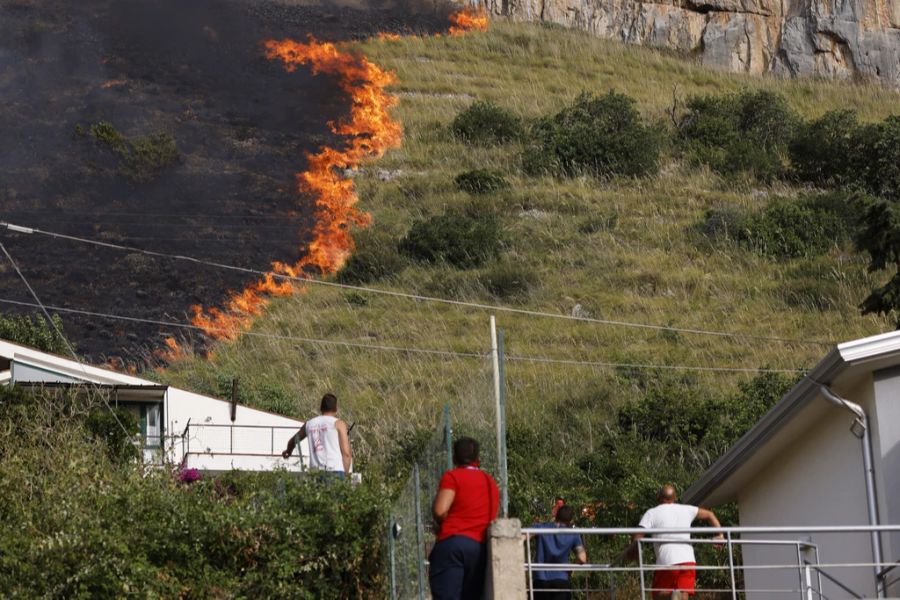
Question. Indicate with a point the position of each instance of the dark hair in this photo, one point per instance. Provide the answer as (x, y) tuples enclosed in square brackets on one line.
[(329, 403), (565, 514), (465, 451)]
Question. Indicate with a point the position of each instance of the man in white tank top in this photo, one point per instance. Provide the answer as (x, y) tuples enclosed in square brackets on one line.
[(678, 582), (328, 438)]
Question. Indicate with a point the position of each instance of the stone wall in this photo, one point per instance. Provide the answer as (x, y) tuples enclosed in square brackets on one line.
[(826, 38)]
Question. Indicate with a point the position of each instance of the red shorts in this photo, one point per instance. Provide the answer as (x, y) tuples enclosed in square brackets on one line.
[(682, 580)]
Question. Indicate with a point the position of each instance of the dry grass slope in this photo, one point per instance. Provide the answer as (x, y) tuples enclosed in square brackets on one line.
[(648, 268)]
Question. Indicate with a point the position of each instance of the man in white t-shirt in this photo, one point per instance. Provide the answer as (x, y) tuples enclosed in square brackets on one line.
[(328, 437), (677, 583)]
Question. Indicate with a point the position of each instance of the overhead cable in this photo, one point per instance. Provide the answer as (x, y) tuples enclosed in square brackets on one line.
[(60, 333), (402, 349), (410, 296)]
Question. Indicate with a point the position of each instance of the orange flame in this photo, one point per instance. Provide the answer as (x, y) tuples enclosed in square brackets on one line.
[(468, 19), (371, 132)]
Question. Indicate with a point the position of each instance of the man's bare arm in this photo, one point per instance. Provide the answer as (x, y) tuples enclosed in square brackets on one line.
[(443, 500), (344, 441), (710, 517), (580, 555), (292, 442), (630, 553)]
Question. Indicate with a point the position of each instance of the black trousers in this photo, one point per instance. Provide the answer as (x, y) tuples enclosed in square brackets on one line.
[(456, 569), (552, 589)]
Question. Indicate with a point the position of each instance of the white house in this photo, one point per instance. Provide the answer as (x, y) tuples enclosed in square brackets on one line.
[(805, 464), (177, 427)]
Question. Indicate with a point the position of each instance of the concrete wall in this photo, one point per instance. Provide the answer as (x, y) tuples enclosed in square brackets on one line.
[(818, 480), (884, 419)]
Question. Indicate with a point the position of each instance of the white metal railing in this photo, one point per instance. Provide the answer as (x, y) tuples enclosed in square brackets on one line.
[(811, 573), (264, 441)]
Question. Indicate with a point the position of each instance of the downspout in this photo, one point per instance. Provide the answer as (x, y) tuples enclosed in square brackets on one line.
[(862, 423)]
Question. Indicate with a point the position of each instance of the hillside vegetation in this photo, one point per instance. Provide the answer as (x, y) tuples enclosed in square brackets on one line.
[(623, 249)]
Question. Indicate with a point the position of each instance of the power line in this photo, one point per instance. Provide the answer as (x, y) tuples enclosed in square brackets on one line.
[(402, 349), (275, 336), (164, 215), (587, 363), (410, 296), (59, 332)]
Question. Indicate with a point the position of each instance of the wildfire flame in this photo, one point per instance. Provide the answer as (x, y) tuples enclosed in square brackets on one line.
[(468, 19), (370, 131)]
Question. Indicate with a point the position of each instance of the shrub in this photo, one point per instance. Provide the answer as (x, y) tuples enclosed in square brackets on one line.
[(34, 331), (461, 240), (824, 151), (485, 123), (375, 257), (481, 181), (746, 133), (788, 229), (508, 280), (597, 135), (141, 159), (106, 425), (879, 157)]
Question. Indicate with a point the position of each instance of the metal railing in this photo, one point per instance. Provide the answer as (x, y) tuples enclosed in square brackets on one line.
[(211, 439), (811, 573)]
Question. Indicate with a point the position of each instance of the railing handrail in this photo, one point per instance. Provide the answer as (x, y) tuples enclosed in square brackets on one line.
[(232, 425), (710, 530)]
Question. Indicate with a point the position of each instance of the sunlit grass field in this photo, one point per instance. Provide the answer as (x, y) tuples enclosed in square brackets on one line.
[(622, 250)]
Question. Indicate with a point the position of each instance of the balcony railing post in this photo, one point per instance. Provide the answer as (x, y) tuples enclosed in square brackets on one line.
[(641, 569), (528, 558), (731, 565)]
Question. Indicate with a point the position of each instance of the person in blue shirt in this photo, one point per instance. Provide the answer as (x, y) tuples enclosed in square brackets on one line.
[(555, 549)]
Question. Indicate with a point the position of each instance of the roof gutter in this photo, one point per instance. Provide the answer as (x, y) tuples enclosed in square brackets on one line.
[(860, 428)]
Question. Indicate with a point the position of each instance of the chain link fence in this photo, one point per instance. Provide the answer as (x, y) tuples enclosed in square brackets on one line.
[(410, 536)]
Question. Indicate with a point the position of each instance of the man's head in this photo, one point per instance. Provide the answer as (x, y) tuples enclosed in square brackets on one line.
[(667, 494), (465, 452), (565, 515), (328, 404)]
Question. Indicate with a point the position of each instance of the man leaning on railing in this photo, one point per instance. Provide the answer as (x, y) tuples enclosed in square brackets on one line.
[(679, 582)]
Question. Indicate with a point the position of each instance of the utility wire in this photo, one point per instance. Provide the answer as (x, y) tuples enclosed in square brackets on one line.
[(274, 336), (410, 296), (411, 350), (61, 335)]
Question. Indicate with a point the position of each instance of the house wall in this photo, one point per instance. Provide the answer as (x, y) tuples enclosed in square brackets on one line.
[(884, 421), (254, 435), (818, 480)]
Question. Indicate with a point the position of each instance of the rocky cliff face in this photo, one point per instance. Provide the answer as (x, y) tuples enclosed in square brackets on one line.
[(827, 38)]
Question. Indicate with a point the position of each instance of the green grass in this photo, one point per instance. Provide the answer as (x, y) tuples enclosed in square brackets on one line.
[(642, 264)]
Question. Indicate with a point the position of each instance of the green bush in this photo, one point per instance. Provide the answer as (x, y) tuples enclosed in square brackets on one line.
[(485, 123), (879, 157), (597, 135), (481, 181), (34, 331), (116, 428), (461, 240), (141, 159), (738, 134), (825, 151), (375, 257), (786, 228), (76, 525)]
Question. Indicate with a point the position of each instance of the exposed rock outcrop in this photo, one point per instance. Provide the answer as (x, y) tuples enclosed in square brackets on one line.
[(827, 38)]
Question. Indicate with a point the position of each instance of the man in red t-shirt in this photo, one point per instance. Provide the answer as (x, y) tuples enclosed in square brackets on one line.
[(466, 503)]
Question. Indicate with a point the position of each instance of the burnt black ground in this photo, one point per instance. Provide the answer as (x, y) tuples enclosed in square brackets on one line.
[(195, 70)]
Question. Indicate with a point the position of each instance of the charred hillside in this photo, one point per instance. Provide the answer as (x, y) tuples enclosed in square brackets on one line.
[(163, 126)]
